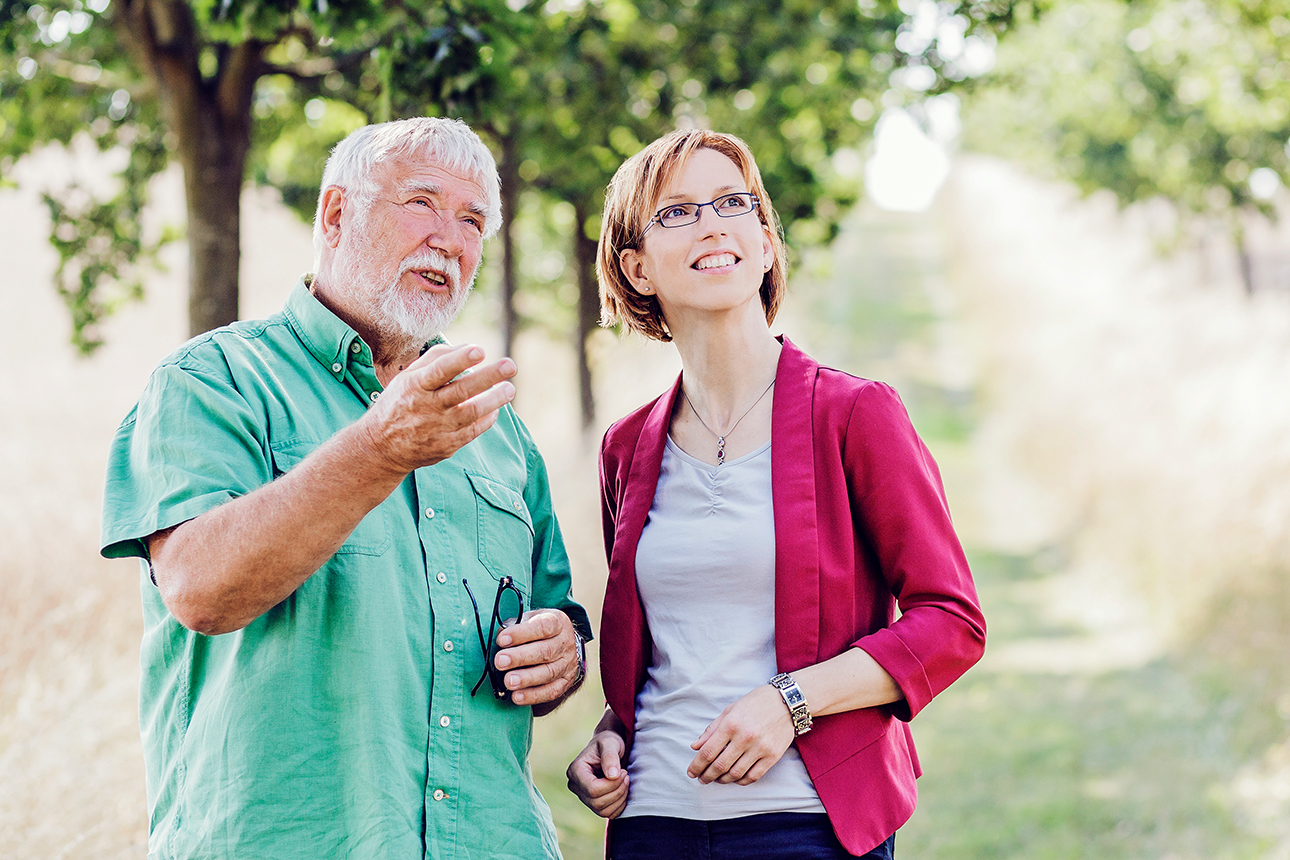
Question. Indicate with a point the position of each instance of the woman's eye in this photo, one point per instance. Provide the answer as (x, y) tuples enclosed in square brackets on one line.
[(674, 212), (731, 202)]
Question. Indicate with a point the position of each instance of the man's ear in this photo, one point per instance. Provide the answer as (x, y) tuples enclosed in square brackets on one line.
[(633, 268), (333, 206)]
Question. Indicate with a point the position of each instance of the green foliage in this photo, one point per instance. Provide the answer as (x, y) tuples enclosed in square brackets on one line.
[(318, 70), (566, 90), (1173, 98), (101, 244), (61, 77)]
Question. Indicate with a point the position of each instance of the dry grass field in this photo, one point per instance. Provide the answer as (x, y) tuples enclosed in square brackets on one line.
[(1117, 420)]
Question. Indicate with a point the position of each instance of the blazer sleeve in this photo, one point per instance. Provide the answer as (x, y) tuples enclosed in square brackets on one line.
[(899, 508)]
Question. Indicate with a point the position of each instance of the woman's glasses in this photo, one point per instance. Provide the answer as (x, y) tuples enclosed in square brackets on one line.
[(727, 206), (506, 610)]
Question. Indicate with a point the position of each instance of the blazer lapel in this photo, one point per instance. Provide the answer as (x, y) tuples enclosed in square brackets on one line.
[(628, 637), (797, 545), (642, 479)]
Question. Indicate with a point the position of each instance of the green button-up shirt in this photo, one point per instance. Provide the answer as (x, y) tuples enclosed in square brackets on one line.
[(340, 723)]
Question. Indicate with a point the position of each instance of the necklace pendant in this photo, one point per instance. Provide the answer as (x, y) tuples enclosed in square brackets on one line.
[(721, 450)]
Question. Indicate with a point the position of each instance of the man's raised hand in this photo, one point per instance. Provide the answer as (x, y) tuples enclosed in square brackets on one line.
[(434, 407)]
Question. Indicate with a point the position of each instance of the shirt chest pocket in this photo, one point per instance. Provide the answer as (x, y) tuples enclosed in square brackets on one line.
[(505, 540), (372, 536)]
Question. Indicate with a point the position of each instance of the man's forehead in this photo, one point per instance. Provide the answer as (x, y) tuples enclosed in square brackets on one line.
[(405, 173)]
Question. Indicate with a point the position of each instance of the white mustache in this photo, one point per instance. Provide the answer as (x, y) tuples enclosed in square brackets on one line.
[(433, 260)]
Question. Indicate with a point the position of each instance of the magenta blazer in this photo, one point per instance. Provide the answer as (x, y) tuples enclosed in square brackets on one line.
[(861, 528)]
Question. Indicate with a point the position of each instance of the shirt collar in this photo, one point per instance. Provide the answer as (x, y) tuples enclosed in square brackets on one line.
[(324, 334), (327, 337)]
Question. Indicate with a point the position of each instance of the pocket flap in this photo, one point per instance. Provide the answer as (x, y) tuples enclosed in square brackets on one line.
[(501, 497)]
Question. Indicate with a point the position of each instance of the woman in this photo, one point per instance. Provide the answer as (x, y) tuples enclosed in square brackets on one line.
[(764, 519)]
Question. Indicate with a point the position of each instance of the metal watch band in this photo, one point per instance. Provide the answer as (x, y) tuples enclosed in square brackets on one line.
[(796, 702), (581, 646)]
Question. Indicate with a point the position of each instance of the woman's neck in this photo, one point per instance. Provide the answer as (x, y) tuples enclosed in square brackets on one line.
[(726, 366)]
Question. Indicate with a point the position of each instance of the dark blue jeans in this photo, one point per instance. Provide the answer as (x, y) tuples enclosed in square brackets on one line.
[(774, 836)]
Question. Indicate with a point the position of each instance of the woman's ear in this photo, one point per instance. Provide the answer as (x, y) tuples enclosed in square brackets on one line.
[(767, 250), (633, 267)]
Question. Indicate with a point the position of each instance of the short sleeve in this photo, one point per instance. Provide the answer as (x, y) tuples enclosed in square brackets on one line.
[(191, 443)]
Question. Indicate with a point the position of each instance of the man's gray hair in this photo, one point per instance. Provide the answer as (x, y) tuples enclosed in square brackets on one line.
[(449, 142)]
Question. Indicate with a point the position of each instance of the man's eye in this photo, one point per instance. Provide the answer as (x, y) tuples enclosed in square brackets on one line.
[(477, 223), (421, 201)]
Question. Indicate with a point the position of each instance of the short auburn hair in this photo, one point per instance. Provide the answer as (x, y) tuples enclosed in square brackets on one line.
[(630, 202)]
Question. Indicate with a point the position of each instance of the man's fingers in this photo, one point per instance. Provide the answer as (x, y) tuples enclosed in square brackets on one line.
[(538, 695), (539, 656), (537, 625), (443, 373)]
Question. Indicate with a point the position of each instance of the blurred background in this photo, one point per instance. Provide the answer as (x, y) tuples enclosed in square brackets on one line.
[(1051, 225)]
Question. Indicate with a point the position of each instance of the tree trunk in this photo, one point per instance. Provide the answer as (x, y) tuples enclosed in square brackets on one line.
[(584, 254), (509, 173), (213, 173), (211, 122), (1243, 257)]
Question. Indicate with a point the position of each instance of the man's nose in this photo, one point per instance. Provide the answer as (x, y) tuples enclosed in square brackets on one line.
[(448, 235)]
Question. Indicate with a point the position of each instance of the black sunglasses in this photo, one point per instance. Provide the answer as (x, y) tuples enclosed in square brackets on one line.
[(496, 677)]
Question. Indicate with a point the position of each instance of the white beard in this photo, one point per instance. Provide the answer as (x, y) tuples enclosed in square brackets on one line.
[(419, 316)]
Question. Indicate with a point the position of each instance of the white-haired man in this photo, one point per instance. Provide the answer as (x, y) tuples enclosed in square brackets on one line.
[(336, 519)]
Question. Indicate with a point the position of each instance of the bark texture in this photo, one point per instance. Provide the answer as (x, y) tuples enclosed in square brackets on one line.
[(209, 115)]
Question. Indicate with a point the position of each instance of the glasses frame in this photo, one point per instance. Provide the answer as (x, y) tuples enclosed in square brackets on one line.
[(496, 677), (753, 201)]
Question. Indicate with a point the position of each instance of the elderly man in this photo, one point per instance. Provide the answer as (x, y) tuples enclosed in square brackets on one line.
[(337, 513)]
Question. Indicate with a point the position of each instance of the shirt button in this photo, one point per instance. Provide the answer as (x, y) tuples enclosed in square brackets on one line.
[(429, 513), (519, 505), (438, 794), (374, 395), (445, 721), (335, 368), (356, 347), (447, 646), (442, 577)]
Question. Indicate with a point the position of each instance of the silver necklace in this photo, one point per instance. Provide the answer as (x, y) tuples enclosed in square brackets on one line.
[(721, 437)]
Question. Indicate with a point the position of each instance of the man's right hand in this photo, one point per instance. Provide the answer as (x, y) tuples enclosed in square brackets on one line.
[(430, 410), (597, 776)]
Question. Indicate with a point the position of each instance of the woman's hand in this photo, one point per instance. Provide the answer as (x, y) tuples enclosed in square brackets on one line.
[(741, 745), (597, 775)]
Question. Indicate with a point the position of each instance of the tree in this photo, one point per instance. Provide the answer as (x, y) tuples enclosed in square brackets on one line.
[(599, 80), (194, 81), (565, 91), (1177, 99)]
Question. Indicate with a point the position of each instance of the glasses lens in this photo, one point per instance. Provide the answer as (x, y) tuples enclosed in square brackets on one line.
[(679, 215), (510, 606), (733, 204)]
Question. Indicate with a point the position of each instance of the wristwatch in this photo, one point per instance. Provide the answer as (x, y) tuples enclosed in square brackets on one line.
[(796, 702), (582, 656)]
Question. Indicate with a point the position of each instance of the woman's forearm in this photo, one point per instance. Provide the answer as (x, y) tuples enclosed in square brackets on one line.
[(847, 682)]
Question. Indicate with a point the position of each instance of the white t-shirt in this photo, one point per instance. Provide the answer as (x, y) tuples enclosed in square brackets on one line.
[(705, 568)]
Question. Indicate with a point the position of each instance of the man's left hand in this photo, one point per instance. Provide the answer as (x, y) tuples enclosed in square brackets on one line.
[(540, 657)]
